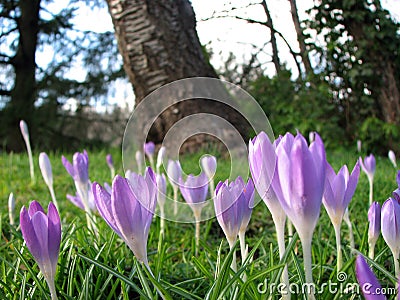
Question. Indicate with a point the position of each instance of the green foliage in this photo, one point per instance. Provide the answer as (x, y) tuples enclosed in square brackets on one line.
[(305, 106), (358, 55), (103, 267)]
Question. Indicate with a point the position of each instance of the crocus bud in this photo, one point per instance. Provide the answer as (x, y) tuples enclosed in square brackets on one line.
[(194, 190), (370, 286), (162, 189), (374, 229), (174, 172), (25, 134), (149, 148), (45, 168), (368, 166), (392, 158), (209, 165), (42, 234), (11, 208), (110, 161), (160, 157), (390, 227), (24, 130), (359, 146)]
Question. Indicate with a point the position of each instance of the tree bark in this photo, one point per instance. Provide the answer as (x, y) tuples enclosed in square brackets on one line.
[(159, 44), (270, 25), (300, 38), (23, 93)]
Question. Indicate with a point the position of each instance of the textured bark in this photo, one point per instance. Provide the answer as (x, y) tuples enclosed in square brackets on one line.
[(23, 93), (300, 38), (159, 44)]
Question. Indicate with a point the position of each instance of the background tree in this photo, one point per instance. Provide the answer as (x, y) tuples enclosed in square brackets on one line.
[(361, 62), (34, 93), (159, 44)]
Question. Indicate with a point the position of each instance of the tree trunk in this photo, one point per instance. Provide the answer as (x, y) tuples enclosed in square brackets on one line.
[(23, 94), (270, 25), (159, 44), (300, 38)]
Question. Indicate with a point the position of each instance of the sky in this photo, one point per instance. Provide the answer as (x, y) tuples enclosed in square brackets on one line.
[(223, 35)]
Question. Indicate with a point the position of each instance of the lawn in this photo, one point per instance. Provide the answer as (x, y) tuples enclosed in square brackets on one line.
[(103, 267)]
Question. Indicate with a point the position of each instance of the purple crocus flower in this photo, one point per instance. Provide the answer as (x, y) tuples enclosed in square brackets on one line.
[(45, 168), (109, 161), (42, 234), (396, 193), (374, 229), (369, 284), (339, 189), (174, 173), (129, 209), (79, 169), (209, 165), (299, 180), (299, 185), (233, 206), (77, 200), (110, 164), (368, 166), (149, 148), (194, 190), (390, 227), (160, 157)]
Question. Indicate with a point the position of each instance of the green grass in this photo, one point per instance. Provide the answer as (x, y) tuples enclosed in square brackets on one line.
[(103, 267)]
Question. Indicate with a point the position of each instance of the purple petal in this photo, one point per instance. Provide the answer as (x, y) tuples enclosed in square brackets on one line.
[(369, 285), (35, 207), (352, 184), (29, 234), (40, 226), (374, 218), (390, 222), (76, 200), (68, 166), (54, 233), (103, 203)]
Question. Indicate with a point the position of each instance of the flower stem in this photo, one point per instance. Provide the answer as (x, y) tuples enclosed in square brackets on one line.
[(31, 168), (242, 240), (339, 261), (395, 253), (346, 218), (280, 236), (53, 197), (231, 246), (371, 252), (371, 189), (175, 188), (52, 289), (306, 244), (290, 229), (197, 214), (162, 220)]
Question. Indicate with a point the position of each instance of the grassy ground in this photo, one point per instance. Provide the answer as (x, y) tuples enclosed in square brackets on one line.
[(103, 267)]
